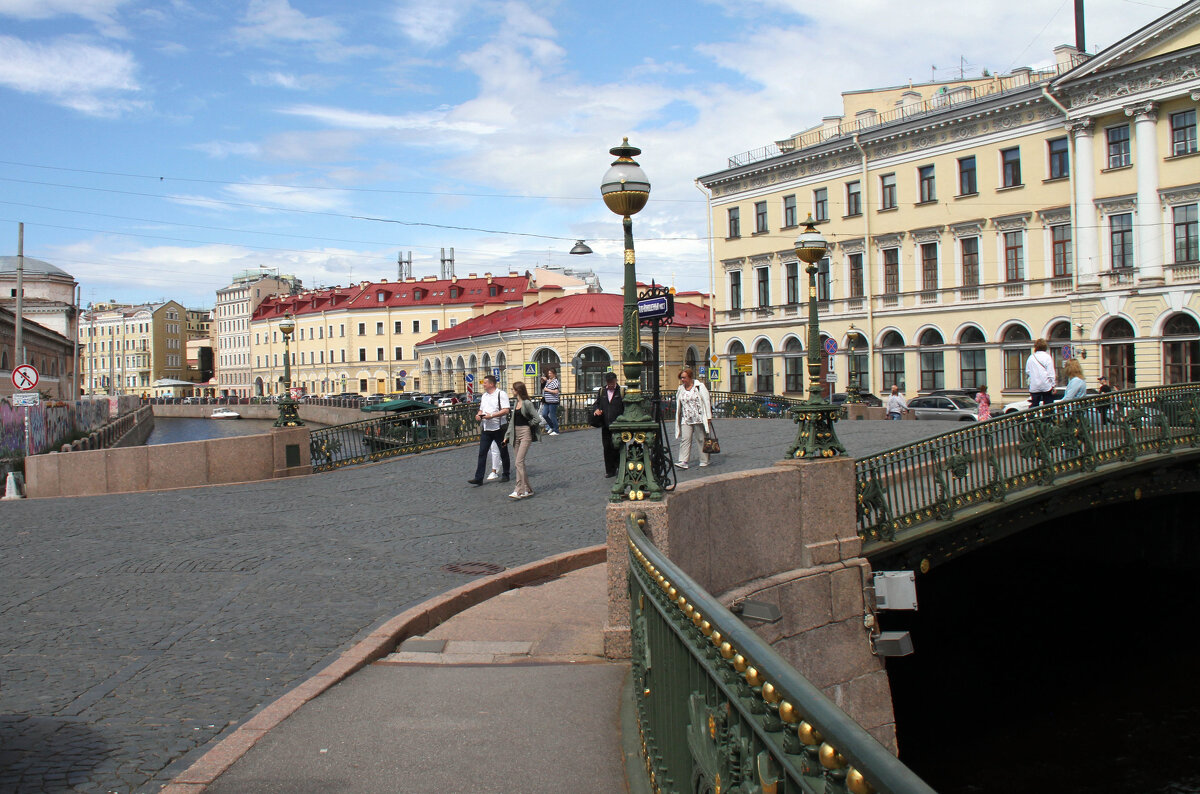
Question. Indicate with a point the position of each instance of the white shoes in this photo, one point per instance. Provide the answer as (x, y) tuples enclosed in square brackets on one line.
[(702, 465), (681, 465), (493, 476), (514, 495), (552, 433)]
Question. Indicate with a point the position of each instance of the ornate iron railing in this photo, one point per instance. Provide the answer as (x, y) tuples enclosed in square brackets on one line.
[(719, 710), (931, 479), (393, 434)]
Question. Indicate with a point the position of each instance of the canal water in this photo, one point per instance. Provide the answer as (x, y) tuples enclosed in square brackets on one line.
[(172, 430)]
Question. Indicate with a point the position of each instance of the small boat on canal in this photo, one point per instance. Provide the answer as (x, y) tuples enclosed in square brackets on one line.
[(225, 413)]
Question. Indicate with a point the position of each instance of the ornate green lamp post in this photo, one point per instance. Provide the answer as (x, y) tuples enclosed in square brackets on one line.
[(852, 391), (288, 416), (625, 190), (815, 417)]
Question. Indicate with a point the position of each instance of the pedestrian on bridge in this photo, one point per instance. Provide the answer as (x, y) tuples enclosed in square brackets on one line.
[(1040, 371), (693, 417), (1076, 385), (985, 403), (523, 430), (551, 389), (895, 404), (608, 406), (493, 407)]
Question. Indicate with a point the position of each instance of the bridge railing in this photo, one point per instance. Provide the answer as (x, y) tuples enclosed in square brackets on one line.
[(719, 710), (932, 479), (390, 435)]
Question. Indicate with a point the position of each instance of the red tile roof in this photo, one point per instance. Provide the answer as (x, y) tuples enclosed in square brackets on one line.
[(428, 292), (581, 310)]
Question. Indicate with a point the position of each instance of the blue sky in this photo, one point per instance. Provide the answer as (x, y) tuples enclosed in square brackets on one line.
[(153, 149)]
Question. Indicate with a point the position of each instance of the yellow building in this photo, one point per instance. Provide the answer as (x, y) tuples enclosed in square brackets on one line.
[(230, 326), (125, 349), (966, 218), (578, 335)]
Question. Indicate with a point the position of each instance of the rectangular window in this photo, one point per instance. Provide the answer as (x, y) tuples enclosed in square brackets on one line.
[(933, 370), (433, 326), (1014, 368), (396, 327), (764, 286), (1014, 256), (342, 355), (322, 355), (760, 217), (362, 329), (891, 270), (967, 185), (972, 368), (1186, 231), (1121, 235), (362, 354), (929, 266), (735, 229), (821, 204), (378, 329), (1060, 237), (379, 354), (928, 188), (1011, 161), (887, 192), (399, 354), (789, 211), (824, 291), (1060, 158), (320, 332), (853, 198), (856, 275), (735, 290), (792, 269), (1183, 133), (970, 261), (893, 371), (416, 326), (341, 330), (1118, 146)]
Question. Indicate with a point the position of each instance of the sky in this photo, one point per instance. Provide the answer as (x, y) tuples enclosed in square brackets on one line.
[(154, 149)]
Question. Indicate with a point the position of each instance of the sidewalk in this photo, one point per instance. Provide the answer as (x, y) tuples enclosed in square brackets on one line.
[(513, 694)]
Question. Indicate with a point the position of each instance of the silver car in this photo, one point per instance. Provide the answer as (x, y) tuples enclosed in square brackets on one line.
[(955, 409)]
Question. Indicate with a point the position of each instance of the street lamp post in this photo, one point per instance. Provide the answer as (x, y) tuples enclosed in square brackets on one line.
[(288, 416), (625, 190), (815, 417), (852, 391)]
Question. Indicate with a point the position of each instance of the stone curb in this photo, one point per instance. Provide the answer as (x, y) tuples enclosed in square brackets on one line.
[(413, 622)]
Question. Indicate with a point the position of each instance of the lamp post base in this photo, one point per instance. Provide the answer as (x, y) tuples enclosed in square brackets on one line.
[(637, 433), (288, 415), (816, 437)]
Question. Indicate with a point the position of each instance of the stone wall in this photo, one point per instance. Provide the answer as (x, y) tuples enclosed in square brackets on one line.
[(320, 414), (220, 460), (784, 535)]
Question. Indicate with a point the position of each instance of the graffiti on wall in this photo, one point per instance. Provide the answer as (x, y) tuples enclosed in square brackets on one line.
[(51, 422)]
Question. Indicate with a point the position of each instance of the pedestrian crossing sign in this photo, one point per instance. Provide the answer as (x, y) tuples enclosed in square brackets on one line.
[(531, 369), (714, 373)]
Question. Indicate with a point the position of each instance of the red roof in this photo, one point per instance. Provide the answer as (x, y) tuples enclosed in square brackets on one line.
[(428, 292), (581, 310)]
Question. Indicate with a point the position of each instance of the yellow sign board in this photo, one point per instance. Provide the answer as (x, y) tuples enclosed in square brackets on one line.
[(531, 369), (744, 364)]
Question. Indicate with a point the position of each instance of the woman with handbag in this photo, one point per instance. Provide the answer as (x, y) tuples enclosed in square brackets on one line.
[(522, 431), (693, 412)]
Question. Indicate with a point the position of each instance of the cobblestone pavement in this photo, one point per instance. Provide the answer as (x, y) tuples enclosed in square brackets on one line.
[(136, 629)]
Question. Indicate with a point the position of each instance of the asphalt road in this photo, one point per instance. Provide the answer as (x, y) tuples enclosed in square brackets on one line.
[(136, 629)]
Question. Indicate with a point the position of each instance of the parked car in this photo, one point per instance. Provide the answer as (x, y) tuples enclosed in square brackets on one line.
[(968, 393), (865, 398), (374, 399), (1023, 405), (446, 402), (956, 409)]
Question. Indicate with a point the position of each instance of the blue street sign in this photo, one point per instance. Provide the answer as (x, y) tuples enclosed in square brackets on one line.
[(470, 376), (496, 373), (655, 308), (531, 369), (1067, 353), (704, 372), (831, 346)]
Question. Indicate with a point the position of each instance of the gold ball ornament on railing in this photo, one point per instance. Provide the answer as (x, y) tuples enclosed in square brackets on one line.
[(831, 758), (769, 693), (787, 712), (739, 663), (726, 650), (752, 676), (808, 735), (857, 784)]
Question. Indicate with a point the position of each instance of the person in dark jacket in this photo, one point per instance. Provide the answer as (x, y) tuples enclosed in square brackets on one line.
[(606, 409)]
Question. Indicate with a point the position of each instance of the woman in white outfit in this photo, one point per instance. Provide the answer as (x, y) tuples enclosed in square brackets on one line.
[(693, 412)]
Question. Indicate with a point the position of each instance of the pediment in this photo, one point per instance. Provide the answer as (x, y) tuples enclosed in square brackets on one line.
[(1173, 32)]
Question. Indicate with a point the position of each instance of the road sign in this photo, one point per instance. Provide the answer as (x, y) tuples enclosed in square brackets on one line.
[(496, 373), (714, 373), (531, 369), (744, 363), (831, 346), (831, 377), (703, 371), (1067, 353), (25, 377), (470, 377), (404, 373), (713, 359), (29, 398), (656, 307)]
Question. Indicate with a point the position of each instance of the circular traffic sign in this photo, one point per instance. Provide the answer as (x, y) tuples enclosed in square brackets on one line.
[(831, 346), (1067, 353), (25, 377)]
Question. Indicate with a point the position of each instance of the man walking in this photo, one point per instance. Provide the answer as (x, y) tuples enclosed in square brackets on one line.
[(605, 410), (1040, 371), (550, 391), (896, 406), (493, 407)]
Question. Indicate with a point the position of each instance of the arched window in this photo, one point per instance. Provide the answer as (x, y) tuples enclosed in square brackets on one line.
[(892, 358), (764, 367), (793, 365), (502, 365), (1116, 349), (473, 368), (1058, 338), (933, 365), (593, 363), (858, 363), (737, 380), (1181, 350), (972, 358), (691, 360), (436, 382), (1017, 346), (546, 359)]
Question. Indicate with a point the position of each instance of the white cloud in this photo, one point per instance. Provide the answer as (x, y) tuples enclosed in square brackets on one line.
[(428, 24), (101, 12), (219, 150), (292, 198), (90, 79), (289, 81), (267, 21), (358, 120)]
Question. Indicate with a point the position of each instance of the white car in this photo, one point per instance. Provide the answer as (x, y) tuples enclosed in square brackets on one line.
[(1023, 405)]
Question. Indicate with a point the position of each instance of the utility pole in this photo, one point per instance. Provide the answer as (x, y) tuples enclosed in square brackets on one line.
[(20, 340)]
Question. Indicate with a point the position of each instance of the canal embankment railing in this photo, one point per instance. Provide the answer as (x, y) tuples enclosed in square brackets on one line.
[(901, 489)]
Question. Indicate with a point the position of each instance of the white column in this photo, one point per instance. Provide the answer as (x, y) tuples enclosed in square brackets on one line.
[(1148, 227), (1087, 231)]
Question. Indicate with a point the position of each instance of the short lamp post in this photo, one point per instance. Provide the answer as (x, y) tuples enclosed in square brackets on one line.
[(853, 397), (815, 417), (288, 416), (625, 190)]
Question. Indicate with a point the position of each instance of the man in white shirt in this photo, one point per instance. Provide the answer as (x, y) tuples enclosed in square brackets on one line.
[(492, 413), (1040, 371)]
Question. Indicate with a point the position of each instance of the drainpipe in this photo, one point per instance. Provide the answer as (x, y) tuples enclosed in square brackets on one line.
[(868, 271), (1074, 214), (712, 277)]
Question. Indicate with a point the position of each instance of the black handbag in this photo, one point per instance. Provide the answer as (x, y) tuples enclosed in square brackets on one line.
[(711, 445), (596, 420)]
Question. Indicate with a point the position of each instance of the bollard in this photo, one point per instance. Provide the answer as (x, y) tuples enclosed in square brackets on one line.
[(11, 489)]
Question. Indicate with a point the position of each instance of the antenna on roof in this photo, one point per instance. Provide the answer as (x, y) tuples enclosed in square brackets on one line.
[(447, 264), (405, 265)]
